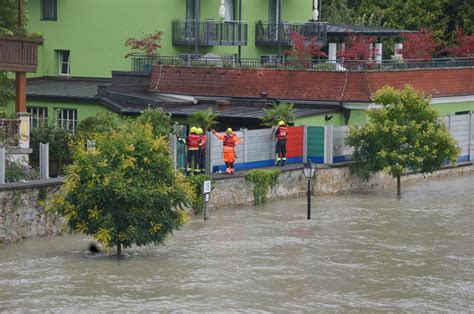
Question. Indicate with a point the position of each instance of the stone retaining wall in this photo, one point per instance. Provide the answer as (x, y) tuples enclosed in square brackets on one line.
[(335, 179), (22, 213), (23, 216)]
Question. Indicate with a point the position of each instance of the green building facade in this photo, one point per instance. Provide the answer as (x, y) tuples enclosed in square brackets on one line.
[(91, 33), (85, 38)]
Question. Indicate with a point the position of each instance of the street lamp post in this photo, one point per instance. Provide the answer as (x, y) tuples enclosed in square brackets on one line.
[(309, 171)]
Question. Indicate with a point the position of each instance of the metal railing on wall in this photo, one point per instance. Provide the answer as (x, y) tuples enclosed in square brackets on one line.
[(144, 63)]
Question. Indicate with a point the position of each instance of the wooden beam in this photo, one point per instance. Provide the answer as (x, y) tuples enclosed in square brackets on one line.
[(20, 92), (21, 13)]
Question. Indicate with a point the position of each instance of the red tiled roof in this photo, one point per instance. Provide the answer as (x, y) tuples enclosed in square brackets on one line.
[(308, 85)]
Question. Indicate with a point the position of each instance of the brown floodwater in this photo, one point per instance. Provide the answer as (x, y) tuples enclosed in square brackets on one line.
[(361, 252)]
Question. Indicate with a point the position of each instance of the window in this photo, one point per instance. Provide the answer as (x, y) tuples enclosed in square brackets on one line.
[(229, 10), (67, 118), (191, 10), (50, 10), (39, 116), (64, 62)]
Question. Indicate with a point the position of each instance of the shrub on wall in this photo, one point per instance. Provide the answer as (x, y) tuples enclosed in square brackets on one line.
[(262, 180), (196, 183)]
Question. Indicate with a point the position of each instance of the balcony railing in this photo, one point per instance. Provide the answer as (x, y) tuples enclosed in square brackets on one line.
[(270, 34), (19, 54), (210, 33), (144, 63), (9, 131)]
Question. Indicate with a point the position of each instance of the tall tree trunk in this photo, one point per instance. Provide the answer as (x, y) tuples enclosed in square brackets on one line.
[(119, 249), (399, 192)]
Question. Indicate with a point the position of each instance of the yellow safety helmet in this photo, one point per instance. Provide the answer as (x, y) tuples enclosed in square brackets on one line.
[(193, 130), (199, 131), (229, 130), (281, 123)]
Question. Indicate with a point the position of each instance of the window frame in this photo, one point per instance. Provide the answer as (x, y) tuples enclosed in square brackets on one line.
[(66, 121), (44, 4), (38, 114), (61, 62)]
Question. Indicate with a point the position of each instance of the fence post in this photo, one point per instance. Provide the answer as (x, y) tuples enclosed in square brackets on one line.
[(245, 147), (173, 147), (2, 164), (208, 153), (328, 144), (471, 136), (305, 143), (44, 161)]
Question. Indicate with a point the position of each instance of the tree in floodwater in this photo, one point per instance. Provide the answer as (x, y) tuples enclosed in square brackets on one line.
[(405, 133), (125, 191)]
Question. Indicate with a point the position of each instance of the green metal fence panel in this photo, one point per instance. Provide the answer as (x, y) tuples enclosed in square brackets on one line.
[(315, 141)]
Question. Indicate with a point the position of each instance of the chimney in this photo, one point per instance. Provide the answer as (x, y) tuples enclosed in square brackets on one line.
[(222, 105)]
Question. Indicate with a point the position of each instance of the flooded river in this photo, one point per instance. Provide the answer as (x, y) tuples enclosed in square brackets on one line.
[(361, 252)]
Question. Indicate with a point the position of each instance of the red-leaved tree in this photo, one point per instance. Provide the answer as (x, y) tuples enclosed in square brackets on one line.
[(421, 45), (463, 45), (304, 49), (357, 48), (149, 44)]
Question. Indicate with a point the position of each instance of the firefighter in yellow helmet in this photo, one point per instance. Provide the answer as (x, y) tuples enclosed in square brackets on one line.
[(230, 140), (193, 142), (281, 133), (202, 149)]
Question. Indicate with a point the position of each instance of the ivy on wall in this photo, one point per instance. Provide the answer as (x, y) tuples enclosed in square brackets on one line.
[(262, 181)]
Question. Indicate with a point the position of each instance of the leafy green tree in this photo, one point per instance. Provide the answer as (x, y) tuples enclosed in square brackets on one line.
[(285, 112), (126, 191), (405, 133), (159, 120), (337, 11), (100, 123), (206, 119), (7, 93)]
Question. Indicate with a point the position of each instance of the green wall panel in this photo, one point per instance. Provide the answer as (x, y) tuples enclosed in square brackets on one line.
[(452, 108), (315, 141)]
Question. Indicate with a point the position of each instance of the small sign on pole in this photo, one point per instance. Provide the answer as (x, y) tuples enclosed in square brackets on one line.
[(90, 145), (206, 189)]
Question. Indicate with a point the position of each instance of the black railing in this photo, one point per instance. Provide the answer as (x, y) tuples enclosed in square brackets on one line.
[(144, 64), (210, 33), (273, 33)]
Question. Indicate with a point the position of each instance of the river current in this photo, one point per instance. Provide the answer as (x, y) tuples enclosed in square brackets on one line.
[(360, 252)]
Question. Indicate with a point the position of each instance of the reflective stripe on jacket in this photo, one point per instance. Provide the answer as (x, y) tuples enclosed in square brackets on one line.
[(203, 141), (282, 133), (193, 141), (229, 140)]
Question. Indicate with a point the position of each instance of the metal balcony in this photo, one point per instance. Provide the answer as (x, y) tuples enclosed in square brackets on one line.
[(271, 34), (210, 33)]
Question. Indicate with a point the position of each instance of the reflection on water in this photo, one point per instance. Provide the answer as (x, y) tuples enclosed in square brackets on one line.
[(361, 252)]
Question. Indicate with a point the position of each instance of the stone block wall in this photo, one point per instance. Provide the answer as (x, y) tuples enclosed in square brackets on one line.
[(23, 216)]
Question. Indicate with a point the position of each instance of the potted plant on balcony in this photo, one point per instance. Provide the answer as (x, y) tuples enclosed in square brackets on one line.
[(148, 46)]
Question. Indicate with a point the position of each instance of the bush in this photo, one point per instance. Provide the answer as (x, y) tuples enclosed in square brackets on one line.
[(15, 171), (262, 180), (58, 139)]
